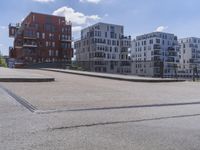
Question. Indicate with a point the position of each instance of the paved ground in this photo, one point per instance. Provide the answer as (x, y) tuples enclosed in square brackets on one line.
[(82, 92), (166, 127), (19, 75)]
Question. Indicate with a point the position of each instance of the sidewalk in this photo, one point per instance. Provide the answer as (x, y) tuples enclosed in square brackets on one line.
[(116, 76), (21, 75)]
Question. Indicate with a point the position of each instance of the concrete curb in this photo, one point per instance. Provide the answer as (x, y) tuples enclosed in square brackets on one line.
[(27, 79), (115, 78)]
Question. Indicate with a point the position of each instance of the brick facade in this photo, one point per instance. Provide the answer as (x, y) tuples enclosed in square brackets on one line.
[(41, 38)]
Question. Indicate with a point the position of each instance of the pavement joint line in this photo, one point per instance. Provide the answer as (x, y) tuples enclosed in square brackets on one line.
[(116, 108), (33, 109), (122, 122), (114, 78), (20, 100)]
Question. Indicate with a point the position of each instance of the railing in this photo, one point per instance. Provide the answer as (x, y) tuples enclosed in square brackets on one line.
[(66, 39), (156, 46), (29, 45), (143, 68)]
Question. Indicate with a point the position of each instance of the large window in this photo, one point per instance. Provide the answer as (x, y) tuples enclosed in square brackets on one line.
[(158, 41)]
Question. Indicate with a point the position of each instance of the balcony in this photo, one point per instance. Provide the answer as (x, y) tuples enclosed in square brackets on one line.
[(156, 53), (29, 32), (66, 39), (125, 37), (31, 44), (156, 46), (18, 46), (156, 58), (170, 60), (29, 36), (171, 54), (13, 28), (171, 49)]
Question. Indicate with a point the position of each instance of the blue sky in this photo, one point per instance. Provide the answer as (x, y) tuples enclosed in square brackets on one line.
[(180, 17)]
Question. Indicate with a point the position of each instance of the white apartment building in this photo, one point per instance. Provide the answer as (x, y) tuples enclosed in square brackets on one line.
[(155, 54), (103, 48), (189, 56)]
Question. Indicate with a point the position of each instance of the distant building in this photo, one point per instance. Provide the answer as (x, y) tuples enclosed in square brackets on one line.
[(103, 48), (41, 38), (155, 54), (189, 56)]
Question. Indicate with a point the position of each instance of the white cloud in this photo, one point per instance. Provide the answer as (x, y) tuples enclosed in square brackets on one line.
[(1, 45), (161, 28), (44, 1), (78, 19), (76, 28), (91, 1)]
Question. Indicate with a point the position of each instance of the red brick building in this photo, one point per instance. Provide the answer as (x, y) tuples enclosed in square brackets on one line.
[(41, 38)]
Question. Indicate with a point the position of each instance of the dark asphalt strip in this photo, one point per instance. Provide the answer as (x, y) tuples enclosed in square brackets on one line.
[(20, 100)]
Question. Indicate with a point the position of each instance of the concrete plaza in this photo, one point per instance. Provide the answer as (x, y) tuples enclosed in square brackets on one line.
[(80, 112)]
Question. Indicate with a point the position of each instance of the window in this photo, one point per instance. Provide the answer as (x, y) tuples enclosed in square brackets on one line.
[(106, 34), (112, 35), (56, 52), (53, 44), (49, 52), (33, 18), (150, 41), (43, 35), (158, 41), (38, 35)]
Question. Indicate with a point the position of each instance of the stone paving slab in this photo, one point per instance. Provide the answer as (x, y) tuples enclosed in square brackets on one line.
[(116, 76), (21, 75)]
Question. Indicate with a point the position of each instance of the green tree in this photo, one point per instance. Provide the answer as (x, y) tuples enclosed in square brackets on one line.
[(2, 61)]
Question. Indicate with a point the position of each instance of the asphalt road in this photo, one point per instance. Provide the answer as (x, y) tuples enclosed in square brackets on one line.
[(166, 127)]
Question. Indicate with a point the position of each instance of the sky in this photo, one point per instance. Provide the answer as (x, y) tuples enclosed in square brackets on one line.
[(180, 17)]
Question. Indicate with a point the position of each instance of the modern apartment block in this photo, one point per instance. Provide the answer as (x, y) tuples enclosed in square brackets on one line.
[(189, 56), (103, 48), (155, 54), (41, 38)]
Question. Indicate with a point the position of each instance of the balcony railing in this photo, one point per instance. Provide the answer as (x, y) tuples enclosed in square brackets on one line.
[(29, 45), (156, 47), (171, 54), (29, 36), (156, 53), (66, 39), (170, 60), (156, 58)]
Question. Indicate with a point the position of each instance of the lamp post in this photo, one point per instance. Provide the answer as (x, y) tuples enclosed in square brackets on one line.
[(195, 72), (175, 71)]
